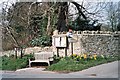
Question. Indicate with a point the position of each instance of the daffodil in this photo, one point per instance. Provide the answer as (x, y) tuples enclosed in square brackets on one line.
[(82, 55), (85, 56), (91, 57), (77, 56), (74, 55), (95, 56)]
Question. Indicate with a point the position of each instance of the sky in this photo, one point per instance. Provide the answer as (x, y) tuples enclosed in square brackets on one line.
[(79, 1), (72, 11)]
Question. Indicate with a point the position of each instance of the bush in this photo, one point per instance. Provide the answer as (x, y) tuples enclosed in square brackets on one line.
[(56, 59), (9, 63), (44, 40), (30, 56)]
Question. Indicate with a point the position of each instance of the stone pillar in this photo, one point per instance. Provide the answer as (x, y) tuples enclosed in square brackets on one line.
[(55, 33)]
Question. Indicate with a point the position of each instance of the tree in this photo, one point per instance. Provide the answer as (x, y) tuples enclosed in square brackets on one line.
[(5, 23), (33, 20), (118, 26), (112, 13), (26, 20)]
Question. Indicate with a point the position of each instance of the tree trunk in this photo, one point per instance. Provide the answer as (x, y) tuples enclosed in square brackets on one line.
[(63, 9), (13, 37), (48, 25)]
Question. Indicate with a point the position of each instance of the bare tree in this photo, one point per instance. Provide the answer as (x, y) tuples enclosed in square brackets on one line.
[(112, 13), (28, 20), (5, 23)]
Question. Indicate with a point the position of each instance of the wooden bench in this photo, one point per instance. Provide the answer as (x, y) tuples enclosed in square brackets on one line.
[(42, 57)]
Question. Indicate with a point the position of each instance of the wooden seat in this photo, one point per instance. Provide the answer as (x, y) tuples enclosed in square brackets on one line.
[(42, 57)]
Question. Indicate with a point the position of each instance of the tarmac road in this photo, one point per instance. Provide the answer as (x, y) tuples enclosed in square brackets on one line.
[(109, 70)]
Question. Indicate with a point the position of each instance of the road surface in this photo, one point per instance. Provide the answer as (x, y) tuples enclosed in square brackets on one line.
[(109, 70)]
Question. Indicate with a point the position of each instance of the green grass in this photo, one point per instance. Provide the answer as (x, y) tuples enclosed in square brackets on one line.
[(70, 65), (67, 64), (10, 63)]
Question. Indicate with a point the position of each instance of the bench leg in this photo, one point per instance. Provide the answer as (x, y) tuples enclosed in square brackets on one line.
[(48, 63), (29, 63)]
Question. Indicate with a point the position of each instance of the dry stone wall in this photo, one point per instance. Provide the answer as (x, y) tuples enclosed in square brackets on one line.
[(99, 42), (28, 50)]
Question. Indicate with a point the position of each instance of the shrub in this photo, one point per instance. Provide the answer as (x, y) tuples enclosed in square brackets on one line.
[(44, 40)]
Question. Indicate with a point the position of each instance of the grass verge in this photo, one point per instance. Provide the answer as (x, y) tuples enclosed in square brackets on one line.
[(69, 64), (10, 63)]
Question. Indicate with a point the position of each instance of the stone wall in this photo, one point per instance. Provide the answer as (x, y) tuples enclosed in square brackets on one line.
[(99, 42), (28, 50)]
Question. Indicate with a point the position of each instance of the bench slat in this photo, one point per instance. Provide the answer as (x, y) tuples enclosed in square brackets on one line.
[(42, 57)]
